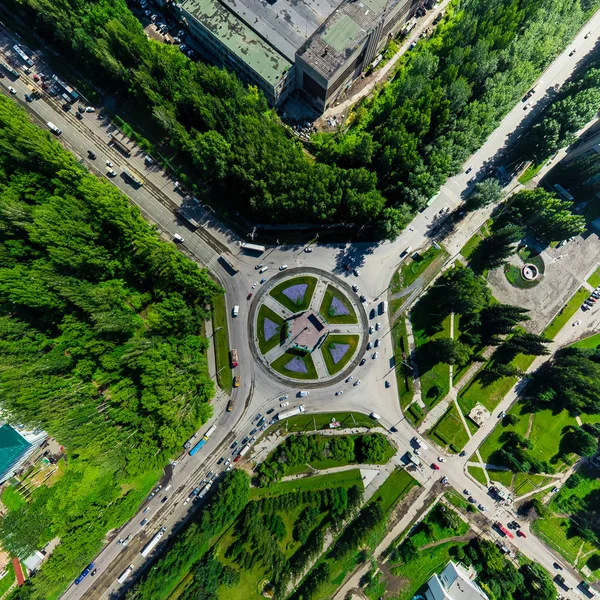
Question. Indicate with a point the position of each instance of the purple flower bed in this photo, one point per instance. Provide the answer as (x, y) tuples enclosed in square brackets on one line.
[(337, 308), (270, 329), (338, 351), (296, 292), (297, 365)]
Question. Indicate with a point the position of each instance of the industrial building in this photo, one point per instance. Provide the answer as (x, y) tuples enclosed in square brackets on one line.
[(315, 47)]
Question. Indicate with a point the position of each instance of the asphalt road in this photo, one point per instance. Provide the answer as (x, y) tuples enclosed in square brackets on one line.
[(158, 199)]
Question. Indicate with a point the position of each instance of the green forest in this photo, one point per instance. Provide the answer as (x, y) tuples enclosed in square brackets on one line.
[(101, 345), (446, 98)]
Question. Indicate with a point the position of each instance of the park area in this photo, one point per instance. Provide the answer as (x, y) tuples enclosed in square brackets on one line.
[(336, 309), (296, 293)]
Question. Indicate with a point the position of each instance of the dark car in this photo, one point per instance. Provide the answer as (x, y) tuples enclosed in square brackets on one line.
[(249, 296), (164, 500), (362, 362), (270, 411), (220, 460), (66, 106), (93, 572), (91, 155), (79, 116)]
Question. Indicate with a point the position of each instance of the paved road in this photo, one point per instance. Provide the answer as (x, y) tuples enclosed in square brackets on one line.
[(158, 199)]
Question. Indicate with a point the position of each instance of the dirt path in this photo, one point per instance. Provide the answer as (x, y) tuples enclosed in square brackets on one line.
[(457, 538)]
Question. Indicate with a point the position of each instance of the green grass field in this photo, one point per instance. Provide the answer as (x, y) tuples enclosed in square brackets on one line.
[(477, 474), (594, 279), (435, 378), (317, 482), (403, 373), (546, 433), (568, 310), (528, 482), (220, 340), (449, 431), (304, 303), (503, 477), (591, 342), (12, 499), (7, 580), (492, 442), (413, 267), (279, 365), (325, 310), (330, 342), (264, 312), (395, 487)]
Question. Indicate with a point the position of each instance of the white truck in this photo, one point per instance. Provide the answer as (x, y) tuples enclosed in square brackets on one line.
[(419, 444), (153, 542), (292, 412), (53, 128), (125, 574), (205, 490)]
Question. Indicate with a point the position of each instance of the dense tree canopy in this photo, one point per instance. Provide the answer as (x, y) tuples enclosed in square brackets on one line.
[(100, 345)]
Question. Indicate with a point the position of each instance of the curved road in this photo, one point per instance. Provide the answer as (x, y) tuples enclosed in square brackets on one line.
[(158, 200)]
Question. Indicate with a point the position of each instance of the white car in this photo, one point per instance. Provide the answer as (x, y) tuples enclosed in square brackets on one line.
[(108, 163), (355, 288), (254, 284), (371, 329), (349, 379), (283, 267), (441, 459), (284, 404), (375, 355), (376, 344), (576, 323), (377, 326), (308, 249), (11, 89), (339, 393), (356, 272), (111, 173), (178, 238), (357, 382), (90, 109)]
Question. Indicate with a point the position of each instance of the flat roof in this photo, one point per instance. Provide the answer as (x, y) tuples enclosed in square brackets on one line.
[(241, 40), (284, 24), (331, 45)]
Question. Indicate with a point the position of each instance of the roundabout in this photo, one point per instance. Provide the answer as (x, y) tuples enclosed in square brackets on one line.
[(307, 327)]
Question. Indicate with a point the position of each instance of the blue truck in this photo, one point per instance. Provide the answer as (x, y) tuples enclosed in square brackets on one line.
[(84, 573), (197, 446)]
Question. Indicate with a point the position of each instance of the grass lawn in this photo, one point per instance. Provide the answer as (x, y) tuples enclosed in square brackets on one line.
[(316, 422), (449, 431), (594, 279), (330, 344), (530, 172), (395, 487), (528, 482), (304, 302), (515, 277), (318, 482), (418, 571), (492, 442), (487, 393), (12, 499), (415, 414), (325, 310), (279, 365), (591, 342), (264, 312), (413, 267), (8, 579), (435, 378), (477, 474), (221, 343), (503, 477), (567, 311), (456, 499), (546, 433), (469, 247), (403, 373)]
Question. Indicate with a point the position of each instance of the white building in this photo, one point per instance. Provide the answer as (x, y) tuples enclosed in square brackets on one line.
[(455, 582)]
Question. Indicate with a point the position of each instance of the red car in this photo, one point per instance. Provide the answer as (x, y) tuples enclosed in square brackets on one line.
[(435, 467), (36, 77), (249, 296), (520, 533)]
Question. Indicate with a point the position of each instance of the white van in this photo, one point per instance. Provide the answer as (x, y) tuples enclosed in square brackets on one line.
[(263, 269), (53, 128), (407, 251), (375, 416), (236, 310), (383, 306), (303, 393)]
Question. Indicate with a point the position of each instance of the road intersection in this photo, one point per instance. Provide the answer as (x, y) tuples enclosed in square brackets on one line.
[(159, 200)]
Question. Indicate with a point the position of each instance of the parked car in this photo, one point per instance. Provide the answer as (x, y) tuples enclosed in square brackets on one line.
[(435, 467)]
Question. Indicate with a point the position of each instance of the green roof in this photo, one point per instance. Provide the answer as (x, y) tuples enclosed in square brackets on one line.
[(12, 446), (240, 39), (339, 32)]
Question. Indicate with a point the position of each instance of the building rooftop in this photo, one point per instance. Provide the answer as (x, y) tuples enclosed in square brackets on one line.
[(338, 37), (242, 40), (12, 446), (454, 583), (285, 24)]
